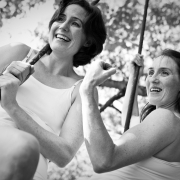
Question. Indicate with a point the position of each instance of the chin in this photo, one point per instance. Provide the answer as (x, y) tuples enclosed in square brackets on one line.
[(154, 102)]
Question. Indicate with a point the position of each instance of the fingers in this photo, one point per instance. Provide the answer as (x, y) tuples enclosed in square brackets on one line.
[(111, 71), (20, 69), (138, 60), (8, 79), (108, 70), (106, 66)]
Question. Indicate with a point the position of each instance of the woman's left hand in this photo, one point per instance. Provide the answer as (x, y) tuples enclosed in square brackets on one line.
[(98, 73), (9, 85)]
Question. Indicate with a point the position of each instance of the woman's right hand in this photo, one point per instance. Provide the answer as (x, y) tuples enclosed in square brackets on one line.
[(137, 61), (20, 69)]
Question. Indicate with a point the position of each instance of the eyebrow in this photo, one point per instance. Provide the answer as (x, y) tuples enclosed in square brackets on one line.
[(162, 68)]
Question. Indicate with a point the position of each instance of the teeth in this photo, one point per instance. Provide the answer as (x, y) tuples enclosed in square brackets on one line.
[(155, 90), (62, 37)]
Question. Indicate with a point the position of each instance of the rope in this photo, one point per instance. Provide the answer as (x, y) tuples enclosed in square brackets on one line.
[(136, 73)]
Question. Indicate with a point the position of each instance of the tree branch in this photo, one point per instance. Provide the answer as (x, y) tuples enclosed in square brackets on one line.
[(122, 85), (111, 100), (115, 108)]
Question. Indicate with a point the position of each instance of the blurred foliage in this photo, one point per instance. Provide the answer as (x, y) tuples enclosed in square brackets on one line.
[(123, 20), (11, 8)]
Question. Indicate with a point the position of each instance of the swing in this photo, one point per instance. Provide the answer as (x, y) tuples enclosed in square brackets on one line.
[(136, 73)]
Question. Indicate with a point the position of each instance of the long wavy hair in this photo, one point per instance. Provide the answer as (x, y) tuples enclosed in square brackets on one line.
[(94, 29), (175, 56)]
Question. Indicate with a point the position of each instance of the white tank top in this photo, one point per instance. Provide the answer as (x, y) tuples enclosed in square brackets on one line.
[(47, 106), (148, 169)]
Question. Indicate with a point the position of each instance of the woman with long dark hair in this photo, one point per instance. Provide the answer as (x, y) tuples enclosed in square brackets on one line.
[(150, 149)]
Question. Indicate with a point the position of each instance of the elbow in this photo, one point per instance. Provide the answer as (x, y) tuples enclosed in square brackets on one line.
[(106, 163), (101, 168), (62, 162)]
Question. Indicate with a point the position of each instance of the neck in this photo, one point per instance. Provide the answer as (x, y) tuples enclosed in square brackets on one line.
[(56, 65), (170, 106)]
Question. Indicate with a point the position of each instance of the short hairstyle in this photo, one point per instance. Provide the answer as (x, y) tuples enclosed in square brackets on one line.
[(94, 29), (175, 56)]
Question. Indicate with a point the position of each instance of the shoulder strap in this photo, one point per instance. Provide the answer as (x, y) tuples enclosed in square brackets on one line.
[(73, 87)]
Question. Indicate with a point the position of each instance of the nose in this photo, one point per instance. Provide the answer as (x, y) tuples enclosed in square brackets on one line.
[(154, 78), (64, 26)]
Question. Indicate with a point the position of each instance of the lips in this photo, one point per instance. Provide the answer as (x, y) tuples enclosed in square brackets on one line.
[(62, 37), (155, 89)]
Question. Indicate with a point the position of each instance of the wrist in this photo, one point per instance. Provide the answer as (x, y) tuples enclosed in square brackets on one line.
[(12, 108), (87, 88)]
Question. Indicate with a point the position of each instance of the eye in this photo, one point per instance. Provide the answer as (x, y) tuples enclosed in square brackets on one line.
[(164, 73), (60, 19), (75, 24)]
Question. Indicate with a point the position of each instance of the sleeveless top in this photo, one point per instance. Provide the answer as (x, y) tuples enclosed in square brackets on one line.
[(148, 169), (46, 105)]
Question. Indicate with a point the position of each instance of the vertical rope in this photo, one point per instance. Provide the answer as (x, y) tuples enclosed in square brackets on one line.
[(136, 73)]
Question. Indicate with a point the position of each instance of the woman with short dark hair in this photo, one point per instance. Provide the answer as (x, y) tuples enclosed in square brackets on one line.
[(47, 105)]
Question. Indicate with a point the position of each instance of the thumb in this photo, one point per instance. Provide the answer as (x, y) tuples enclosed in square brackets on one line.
[(109, 72), (32, 69)]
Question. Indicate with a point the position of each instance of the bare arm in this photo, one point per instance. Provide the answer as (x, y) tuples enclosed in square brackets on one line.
[(144, 140), (96, 137), (138, 143)]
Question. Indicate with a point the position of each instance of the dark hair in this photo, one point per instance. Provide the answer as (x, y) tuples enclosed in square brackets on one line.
[(175, 56), (94, 29)]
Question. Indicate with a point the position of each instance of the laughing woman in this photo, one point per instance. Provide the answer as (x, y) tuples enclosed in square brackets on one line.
[(44, 113), (149, 150)]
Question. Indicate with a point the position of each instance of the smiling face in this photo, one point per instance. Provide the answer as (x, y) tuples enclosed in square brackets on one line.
[(163, 82), (67, 34)]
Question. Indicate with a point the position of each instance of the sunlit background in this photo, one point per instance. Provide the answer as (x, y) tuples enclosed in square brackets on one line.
[(27, 21)]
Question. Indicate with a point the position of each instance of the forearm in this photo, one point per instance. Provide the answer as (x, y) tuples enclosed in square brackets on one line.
[(135, 110), (98, 142), (52, 147)]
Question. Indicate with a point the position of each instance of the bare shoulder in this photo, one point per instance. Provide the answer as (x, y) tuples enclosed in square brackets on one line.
[(13, 52), (165, 119), (161, 114), (16, 48)]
